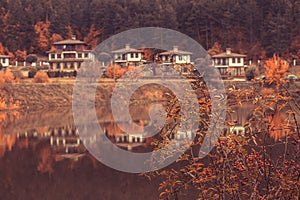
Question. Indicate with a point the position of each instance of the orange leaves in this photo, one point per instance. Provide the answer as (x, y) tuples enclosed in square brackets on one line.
[(216, 49), (55, 37), (93, 36), (6, 77), (115, 71), (148, 54), (42, 30), (20, 55), (41, 77), (276, 68)]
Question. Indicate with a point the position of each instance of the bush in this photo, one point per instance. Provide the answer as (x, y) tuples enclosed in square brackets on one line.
[(250, 73), (8, 76), (41, 77), (32, 73), (31, 58), (115, 71), (2, 80)]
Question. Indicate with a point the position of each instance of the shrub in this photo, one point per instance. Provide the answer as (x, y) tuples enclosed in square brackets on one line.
[(250, 73), (41, 77), (115, 71), (8, 76), (32, 73), (31, 58), (2, 80)]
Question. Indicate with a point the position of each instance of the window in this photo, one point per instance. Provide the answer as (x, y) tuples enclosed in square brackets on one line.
[(233, 60), (131, 55), (224, 61), (136, 55), (69, 55), (59, 56), (239, 60), (52, 55), (86, 55), (179, 57), (80, 55)]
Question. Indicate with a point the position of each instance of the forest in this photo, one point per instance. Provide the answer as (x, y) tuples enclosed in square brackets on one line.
[(256, 28)]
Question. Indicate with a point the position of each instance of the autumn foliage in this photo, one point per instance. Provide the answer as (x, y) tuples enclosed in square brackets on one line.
[(43, 39), (115, 71), (260, 163), (6, 77), (41, 77), (276, 68)]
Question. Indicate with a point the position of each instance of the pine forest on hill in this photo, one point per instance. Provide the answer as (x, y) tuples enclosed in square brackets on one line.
[(254, 27)]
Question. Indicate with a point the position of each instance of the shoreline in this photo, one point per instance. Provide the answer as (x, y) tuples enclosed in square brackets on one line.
[(36, 96)]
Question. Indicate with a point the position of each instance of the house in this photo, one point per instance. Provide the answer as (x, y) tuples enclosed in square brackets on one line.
[(4, 60), (68, 55), (230, 64), (175, 56), (128, 56)]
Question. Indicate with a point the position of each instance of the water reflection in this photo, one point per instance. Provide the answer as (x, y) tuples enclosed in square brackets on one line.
[(42, 157), (42, 150)]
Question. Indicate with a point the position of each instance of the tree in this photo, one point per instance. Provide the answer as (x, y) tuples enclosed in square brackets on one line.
[(240, 166), (43, 36), (31, 58), (93, 37), (276, 68), (216, 49), (115, 71), (8, 75)]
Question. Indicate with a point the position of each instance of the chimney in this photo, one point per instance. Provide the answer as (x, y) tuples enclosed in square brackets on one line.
[(175, 48), (73, 37), (228, 51), (127, 46)]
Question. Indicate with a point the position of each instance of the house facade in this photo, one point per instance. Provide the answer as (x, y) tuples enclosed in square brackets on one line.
[(4, 60), (128, 56), (230, 64), (68, 55), (175, 56)]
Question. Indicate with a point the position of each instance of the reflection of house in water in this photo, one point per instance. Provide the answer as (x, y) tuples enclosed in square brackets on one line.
[(134, 136), (63, 140)]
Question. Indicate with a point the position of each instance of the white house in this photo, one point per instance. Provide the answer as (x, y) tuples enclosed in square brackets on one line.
[(67, 55), (4, 60), (175, 56), (230, 64), (128, 55)]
